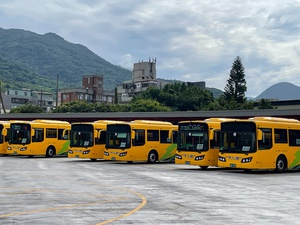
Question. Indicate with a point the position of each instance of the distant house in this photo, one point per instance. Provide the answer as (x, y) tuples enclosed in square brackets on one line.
[(91, 91), (18, 97)]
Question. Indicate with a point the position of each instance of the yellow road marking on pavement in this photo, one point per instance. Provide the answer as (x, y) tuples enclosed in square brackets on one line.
[(29, 191), (144, 202), (54, 209)]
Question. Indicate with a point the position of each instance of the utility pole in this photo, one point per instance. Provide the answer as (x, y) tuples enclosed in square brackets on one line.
[(57, 91), (41, 103), (2, 103)]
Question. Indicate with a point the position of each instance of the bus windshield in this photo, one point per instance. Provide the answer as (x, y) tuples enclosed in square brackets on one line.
[(193, 137), (81, 135), (238, 142), (195, 141), (118, 136), (238, 137), (19, 134)]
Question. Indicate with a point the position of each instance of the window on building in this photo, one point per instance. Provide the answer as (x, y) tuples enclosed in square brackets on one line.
[(16, 92), (19, 100)]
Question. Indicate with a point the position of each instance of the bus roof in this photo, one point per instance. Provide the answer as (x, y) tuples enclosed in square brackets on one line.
[(153, 122), (213, 119), (274, 119), (51, 121)]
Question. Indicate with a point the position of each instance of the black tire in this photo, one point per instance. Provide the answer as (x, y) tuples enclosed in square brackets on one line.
[(152, 157), (247, 170), (93, 160), (203, 167), (280, 164), (50, 152), (129, 162)]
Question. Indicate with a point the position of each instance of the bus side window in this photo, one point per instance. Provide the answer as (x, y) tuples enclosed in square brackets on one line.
[(139, 138), (174, 135), (266, 142), (280, 135), (101, 139), (294, 137), (164, 134), (39, 135), (215, 143)]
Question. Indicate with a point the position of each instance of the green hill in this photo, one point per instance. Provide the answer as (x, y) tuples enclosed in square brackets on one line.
[(30, 60)]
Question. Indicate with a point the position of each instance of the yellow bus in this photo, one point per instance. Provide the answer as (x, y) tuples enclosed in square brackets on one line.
[(38, 137), (4, 127), (199, 142), (260, 143), (87, 139), (141, 140)]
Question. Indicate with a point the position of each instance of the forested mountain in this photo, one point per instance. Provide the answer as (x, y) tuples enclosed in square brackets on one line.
[(33, 61), (30, 60)]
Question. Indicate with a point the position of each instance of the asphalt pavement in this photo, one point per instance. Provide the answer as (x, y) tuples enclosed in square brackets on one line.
[(61, 190)]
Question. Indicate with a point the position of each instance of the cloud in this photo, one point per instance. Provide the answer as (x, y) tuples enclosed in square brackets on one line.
[(192, 40)]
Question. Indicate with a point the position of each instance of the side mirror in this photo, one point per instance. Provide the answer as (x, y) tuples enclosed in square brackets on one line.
[(259, 135), (170, 135), (97, 134), (132, 134), (211, 134), (64, 134), (4, 132)]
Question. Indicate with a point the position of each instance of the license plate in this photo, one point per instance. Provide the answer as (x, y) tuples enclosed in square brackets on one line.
[(187, 162), (15, 153), (233, 165), (113, 158), (77, 156)]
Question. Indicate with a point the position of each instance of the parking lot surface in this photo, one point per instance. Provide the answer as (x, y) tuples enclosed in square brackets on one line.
[(61, 190)]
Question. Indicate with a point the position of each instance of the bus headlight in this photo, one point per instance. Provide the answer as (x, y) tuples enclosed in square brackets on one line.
[(86, 152), (106, 153), (23, 149), (246, 160), (178, 156), (9, 148), (123, 154), (201, 157), (70, 151), (222, 159)]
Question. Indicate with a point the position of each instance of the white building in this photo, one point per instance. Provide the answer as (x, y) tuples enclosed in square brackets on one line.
[(143, 76), (19, 97)]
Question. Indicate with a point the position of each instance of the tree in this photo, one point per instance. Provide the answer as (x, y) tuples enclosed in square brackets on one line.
[(236, 84), (148, 105), (27, 109), (264, 104)]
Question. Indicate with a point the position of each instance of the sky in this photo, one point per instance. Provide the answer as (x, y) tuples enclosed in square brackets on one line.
[(191, 40)]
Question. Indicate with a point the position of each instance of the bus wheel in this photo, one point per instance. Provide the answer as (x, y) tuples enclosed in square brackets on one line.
[(152, 157), (280, 164), (93, 160), (129, 162), (50, 152), (203, 167)]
